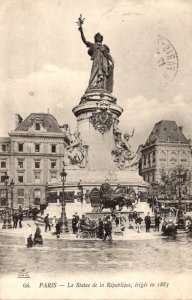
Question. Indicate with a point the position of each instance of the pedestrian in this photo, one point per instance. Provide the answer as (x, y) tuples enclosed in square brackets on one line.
[(135, 215), (148, 222), (76, 218), (138, 221), (30, 241), (15, 219), (47, 224), (53, 222), (130, 217), (29, 211), (58, 229), (20, 217), (29, 237), (38, 237), (157, 222), (35, 213), (117, 222), (100, 229), (74, 224), (108, 229)]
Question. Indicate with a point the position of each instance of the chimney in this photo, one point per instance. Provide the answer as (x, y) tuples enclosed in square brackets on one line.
[(18, 120), (65, 127), (181, 128)]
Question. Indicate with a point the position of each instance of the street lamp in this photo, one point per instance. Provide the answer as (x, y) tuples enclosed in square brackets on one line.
[(80, 187), (64, 223), (7, 213)]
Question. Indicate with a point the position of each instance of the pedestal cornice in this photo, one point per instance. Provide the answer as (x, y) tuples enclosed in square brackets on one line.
[(91, 106)]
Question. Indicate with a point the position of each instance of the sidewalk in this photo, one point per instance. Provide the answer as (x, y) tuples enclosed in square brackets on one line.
[(128, 234)]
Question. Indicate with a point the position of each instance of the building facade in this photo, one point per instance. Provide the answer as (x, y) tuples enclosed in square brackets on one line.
[(165, 148), (31, 156)]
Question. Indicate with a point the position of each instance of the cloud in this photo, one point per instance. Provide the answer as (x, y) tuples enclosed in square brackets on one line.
[(142, 113), (40, 91)]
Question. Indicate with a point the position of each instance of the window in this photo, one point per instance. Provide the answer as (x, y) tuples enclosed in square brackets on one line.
[(162, 156), (3, 178), (3, 147), (53, 177), (37, 196), (37, 164), (2, 197), (37, 175), (53, 148), (153, 177), (3, 163), (37, 126), (173, 158), (2, 201), (20, 164), (20, 178), (37, 148), (20, 146), (53, 164), (20, 201), (20, 192), (154, 157), (149, 160), (183, 157), (144, 159)]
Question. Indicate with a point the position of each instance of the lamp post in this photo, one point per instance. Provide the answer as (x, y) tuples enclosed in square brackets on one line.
[(80, 187), (7, 213), (64, 223)]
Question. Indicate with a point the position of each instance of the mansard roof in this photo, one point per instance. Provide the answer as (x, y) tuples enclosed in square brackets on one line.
[(167, 132), (47, 120)]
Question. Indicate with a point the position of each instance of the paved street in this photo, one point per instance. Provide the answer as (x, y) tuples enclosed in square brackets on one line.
[(132, 252)]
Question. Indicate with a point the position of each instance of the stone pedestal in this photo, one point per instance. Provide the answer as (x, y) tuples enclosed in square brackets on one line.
[(97, 118), (97, 127)]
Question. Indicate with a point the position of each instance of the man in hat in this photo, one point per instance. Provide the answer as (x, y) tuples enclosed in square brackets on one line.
[(148, 222), (108, 229)]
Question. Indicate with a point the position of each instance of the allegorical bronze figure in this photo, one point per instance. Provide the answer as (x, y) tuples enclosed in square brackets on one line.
[(102, 68)]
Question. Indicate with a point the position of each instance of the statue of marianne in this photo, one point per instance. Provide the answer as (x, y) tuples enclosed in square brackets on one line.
[(102, 68)]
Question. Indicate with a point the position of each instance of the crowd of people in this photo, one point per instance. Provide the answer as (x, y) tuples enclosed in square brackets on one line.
[(102, 228)]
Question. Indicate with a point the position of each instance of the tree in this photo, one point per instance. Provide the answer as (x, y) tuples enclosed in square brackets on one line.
[(175, 184)]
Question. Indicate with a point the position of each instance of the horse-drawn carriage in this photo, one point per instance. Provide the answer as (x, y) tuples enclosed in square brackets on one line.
[(116, 199)]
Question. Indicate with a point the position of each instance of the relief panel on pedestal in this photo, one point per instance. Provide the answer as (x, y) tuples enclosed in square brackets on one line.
[(76, 153), (123, 156)]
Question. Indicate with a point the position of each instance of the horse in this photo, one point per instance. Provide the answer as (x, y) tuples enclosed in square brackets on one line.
[(122, 196)]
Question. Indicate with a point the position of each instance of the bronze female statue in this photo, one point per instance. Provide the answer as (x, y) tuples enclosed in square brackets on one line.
[(101, 77)]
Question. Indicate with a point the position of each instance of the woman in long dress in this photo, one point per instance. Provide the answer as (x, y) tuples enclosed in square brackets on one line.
[(102, 68)]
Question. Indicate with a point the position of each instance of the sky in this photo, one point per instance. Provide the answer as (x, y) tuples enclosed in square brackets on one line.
[(44, 66)]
